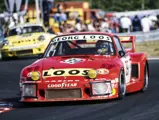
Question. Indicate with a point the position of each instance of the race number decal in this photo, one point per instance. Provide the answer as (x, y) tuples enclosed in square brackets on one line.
[(127, 67), (73, 60)]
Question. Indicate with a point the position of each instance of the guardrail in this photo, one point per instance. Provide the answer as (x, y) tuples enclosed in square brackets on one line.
[(143, 36)]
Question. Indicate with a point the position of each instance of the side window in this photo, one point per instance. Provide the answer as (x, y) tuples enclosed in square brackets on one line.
[(118, 44)]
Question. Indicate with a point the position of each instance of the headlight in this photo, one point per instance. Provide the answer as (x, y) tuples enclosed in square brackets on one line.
[(29, 90), (41, 38), (101, 88), (35, 75), (92, 74), (5, 42)]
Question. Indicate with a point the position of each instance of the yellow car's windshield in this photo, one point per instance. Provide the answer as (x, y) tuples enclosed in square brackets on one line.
[(24, 30)]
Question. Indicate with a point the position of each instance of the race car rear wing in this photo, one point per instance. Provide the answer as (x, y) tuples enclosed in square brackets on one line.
[(128, 39)]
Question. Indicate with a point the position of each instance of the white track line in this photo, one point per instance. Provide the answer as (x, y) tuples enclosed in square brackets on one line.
[(153, 58)]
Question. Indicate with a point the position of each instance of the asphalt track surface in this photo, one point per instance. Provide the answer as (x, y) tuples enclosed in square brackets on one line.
[(137, 106)]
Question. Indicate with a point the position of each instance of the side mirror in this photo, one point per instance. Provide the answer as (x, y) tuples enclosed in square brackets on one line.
[(40, 55), (121, 53), (51, 53)]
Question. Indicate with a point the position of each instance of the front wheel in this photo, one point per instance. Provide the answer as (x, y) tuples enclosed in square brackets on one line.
[(121, 85), (146, 79), (4, 57)]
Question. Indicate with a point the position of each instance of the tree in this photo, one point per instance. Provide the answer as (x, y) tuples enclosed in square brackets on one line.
[(110, 5), (120, 5)]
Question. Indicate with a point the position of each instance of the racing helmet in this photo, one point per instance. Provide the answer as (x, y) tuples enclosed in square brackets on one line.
[(102, 47)]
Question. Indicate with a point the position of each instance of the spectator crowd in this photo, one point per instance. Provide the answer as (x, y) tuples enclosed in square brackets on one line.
[(111, 24), (106, 24)]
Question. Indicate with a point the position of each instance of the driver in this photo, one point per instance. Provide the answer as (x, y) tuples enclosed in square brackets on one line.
[(102, 47)]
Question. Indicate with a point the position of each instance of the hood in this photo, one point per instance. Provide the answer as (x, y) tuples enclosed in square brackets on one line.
[(93, 62), (77, 66), (26, 38)]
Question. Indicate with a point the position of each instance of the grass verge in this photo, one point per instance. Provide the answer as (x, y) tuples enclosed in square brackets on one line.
[(150, 47)]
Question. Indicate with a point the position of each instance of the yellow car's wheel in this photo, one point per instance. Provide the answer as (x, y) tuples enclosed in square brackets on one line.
[(4, 57)]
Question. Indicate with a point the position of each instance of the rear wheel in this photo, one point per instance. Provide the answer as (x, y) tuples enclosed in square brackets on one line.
[(146, 79), (121, 85)]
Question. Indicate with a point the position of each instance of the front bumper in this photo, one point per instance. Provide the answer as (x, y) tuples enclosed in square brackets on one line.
[(23, 50), (78, 93)]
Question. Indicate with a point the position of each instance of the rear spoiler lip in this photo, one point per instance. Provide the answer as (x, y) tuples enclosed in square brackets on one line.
[(128, 39)]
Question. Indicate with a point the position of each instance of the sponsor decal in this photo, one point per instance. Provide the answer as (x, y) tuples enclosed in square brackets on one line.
[(62, 85), (71, 72), (23, 47), (83, 37), (59, 81), (124, 38), (73, 60), (65, 72), (102, 71), (31, 81), (21, 41), (26, 35)]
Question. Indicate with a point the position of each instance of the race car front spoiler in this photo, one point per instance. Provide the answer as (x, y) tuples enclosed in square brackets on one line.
[(95, 91)]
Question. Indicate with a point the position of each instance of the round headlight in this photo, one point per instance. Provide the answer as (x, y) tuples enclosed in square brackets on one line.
[(35, 75), (92, 74), (41, 38)]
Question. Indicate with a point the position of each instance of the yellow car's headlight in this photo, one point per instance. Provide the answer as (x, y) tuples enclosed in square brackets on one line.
[(92, 74), (35, 75), (41, 38)]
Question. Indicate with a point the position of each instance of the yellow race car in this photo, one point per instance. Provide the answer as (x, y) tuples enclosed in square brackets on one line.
[(24, 40)]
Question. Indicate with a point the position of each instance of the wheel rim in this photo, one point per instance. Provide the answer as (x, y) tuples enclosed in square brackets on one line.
[(146, 77), (122, 84)]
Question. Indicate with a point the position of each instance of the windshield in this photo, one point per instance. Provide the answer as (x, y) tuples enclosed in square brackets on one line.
[(80, 45), (24, 30)]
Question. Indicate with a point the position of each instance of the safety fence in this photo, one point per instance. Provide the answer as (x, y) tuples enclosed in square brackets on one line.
[(143, 36)]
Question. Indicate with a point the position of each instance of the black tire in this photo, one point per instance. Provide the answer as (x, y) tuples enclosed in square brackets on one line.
[(32, 104), (14, 58), (146, 79), (4, 58), (121, 85), (9, 58), (28, 104)]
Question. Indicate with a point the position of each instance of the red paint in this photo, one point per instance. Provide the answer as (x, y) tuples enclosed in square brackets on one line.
[(112, 63)]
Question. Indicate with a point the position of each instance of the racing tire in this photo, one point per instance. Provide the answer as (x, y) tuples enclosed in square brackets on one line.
[(4, 58), (121, 85), (146, 79), (30, 104), (14, 58), (8, 58)]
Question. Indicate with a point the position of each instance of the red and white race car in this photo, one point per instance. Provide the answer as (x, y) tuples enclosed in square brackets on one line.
[(85, 66)]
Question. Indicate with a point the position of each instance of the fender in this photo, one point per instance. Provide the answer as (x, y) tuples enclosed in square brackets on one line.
[(139, 59)]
